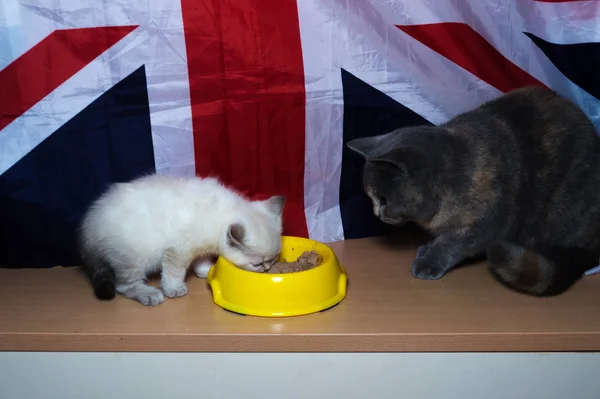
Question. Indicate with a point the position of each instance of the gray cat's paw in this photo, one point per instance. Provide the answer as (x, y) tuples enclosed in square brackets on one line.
[(151, 298), (177, 291), (425, 270), (422, 250)]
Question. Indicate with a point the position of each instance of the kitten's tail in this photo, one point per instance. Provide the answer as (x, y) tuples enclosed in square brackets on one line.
[(102, 275), (539, 273)]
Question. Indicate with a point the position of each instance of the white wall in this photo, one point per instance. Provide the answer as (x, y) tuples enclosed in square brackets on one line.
[(309, 376)]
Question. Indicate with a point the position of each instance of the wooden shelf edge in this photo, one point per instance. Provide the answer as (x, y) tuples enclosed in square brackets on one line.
[(525, 342)]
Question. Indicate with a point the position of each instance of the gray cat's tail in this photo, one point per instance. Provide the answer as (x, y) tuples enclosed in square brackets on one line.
[(101, 274), (539, 273)]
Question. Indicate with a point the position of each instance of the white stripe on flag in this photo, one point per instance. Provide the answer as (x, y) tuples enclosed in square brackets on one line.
[(592, 271), (324, 124)]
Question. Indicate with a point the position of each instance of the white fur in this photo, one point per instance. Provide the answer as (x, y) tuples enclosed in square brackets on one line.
[(160, 223)]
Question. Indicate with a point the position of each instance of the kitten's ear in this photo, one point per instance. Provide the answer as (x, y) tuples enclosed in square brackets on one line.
[(407, 160), (275, 204), (236, 234), (364, 146)]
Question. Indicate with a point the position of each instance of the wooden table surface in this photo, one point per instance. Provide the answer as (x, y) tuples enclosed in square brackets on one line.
[(385, 310)]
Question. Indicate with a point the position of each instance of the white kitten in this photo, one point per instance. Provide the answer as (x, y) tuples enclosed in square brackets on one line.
[(160, 223)]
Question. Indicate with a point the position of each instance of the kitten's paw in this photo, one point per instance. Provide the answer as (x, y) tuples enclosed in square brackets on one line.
[(202, 270), (422, 250), (425, 270), (151, 297), (177, 291), (202, 266)]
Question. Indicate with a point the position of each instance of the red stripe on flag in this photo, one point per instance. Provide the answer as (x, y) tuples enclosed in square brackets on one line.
[(49, 63), (248, 100), (467, 48)]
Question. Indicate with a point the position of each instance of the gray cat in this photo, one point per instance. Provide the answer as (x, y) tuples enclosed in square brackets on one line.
[(517, 178)]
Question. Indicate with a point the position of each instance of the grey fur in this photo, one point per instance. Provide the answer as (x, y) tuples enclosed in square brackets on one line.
[(517, 177)]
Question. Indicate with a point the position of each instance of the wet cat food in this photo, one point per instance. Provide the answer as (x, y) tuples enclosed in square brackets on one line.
[(306, 261)]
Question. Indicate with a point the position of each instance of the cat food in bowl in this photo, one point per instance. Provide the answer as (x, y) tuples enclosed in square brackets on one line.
[(308, 278), (306, 261)]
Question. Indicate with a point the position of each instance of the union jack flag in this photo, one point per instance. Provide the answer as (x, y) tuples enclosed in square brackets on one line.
[(261, 93)]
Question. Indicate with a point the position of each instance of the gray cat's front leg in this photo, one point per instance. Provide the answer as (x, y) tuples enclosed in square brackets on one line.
[(448, 249)]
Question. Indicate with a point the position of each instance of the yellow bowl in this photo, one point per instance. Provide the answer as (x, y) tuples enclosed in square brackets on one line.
[(281, 295)]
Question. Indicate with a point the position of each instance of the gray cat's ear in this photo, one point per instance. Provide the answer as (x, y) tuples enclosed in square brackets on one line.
[(406, 160), (401, 168), (275, 204), (364, 146), (236, 234)]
